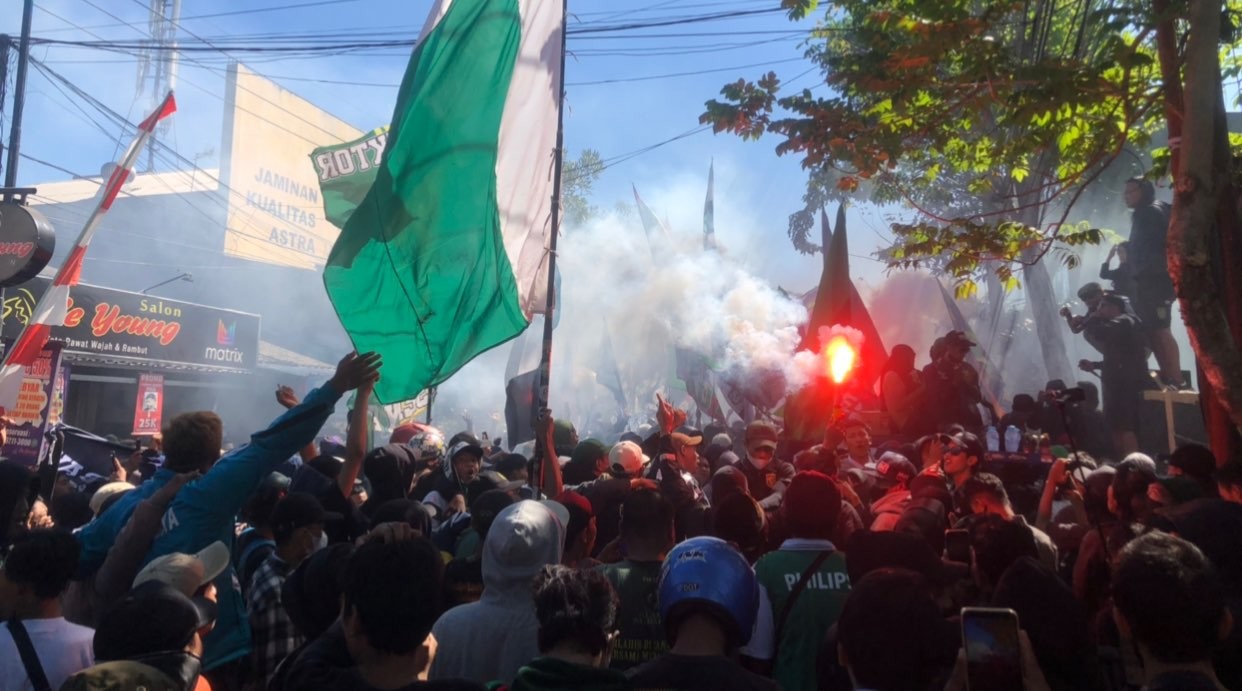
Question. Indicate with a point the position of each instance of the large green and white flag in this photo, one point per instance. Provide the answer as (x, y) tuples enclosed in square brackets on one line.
[(447, 256), (347, 172)]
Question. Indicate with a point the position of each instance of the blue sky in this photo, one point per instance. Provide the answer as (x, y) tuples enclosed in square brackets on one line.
[(637, 104)]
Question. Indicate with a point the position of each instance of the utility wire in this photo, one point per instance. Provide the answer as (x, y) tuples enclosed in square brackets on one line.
[(694, 73)]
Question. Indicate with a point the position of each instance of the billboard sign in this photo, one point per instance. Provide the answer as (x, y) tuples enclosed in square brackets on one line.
[(24, 440), (275, 210), (143, 330)]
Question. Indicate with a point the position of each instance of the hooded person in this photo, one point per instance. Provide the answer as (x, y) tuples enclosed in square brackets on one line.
[(391, 470), (463, 464), (577, 611), (491, 639)]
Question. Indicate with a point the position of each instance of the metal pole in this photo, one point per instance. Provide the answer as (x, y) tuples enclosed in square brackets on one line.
[(19, 96), (545, 360), (6, 44)]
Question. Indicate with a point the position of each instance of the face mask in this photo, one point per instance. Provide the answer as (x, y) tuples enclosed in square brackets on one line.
[(758, 462), (321, 542)]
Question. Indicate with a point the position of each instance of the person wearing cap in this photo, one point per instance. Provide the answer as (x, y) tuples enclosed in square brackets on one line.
[(606, 493), (767, 477), (151, 640), (673, 471), (647, 533), (893, 475), (1123, 371), (953, 393), (205, 510), (491, 639), (802, 585), (708, 602), (105, 496), (36, 640), (1020, 414), (297, 526), (256, 542), (465, 462), (192, 574)]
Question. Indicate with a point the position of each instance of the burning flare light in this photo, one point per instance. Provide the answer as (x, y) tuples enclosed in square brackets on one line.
[(840, 358)]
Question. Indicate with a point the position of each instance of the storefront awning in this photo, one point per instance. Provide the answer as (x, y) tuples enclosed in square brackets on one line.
[(273, 357)]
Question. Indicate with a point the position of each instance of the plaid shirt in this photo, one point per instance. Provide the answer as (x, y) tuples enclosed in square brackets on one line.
[(272, 634)]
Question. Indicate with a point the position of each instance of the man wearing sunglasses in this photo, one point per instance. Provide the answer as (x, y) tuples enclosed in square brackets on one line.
[(960, 463)]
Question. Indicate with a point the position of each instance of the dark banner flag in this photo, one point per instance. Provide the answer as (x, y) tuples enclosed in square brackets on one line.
[(700, 383), (837, 302), (520, 413)]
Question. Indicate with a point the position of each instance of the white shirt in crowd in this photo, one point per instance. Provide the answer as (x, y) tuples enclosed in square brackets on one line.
[(64, 649)]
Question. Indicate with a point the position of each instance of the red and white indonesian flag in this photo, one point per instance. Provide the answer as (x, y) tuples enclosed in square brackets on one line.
[(54, 305)]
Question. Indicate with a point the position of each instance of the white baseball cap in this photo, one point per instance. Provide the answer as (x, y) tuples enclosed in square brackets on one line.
[(187, 572), (627, 458)]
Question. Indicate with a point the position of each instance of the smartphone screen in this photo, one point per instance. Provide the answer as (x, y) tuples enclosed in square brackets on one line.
[(957, 546), (993, 656)]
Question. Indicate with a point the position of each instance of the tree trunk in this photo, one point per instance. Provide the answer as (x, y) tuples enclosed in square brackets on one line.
[(1166, 52), (1197, 189), (1048, 326)]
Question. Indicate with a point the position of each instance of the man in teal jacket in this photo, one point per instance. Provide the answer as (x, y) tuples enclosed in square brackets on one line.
[(205, 510)]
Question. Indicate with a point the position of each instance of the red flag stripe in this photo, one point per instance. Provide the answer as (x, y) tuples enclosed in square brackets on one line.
[(113, 188), (28, 346), (168, 107), (71, 271)]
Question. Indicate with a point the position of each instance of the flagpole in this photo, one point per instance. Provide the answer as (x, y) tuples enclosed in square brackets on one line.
[(545, 358)]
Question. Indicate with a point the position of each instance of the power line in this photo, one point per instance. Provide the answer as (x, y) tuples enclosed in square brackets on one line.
[(233, 13), (650, 77)]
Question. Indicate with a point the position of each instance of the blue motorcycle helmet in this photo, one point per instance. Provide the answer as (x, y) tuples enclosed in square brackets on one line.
[(706, 573)]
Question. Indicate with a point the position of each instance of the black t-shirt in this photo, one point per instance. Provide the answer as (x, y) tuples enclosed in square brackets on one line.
[(695, 673), (638, 619), (463, 581)]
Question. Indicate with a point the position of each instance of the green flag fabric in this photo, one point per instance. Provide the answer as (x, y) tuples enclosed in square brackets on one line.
[(347, 172), (446, 256)]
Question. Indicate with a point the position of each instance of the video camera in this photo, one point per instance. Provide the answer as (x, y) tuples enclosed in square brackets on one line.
[(1064, 396)]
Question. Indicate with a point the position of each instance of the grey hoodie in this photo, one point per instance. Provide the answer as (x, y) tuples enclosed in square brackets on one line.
[(491, 639)]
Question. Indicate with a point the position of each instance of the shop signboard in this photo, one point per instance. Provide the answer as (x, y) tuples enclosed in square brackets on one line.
[(149, 406), (24, 440), (143, 331), (26, 243)]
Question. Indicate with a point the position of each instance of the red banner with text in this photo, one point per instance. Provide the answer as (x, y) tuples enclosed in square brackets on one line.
[(149, 408)]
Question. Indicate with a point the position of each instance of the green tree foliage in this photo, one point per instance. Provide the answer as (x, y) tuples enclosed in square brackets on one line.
[(989, 117), (577, 179)]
